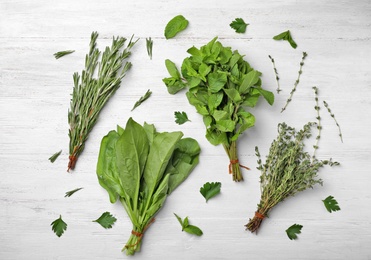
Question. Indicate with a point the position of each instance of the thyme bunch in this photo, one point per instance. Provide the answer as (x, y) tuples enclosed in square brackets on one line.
[(287, 170), (91, 92)]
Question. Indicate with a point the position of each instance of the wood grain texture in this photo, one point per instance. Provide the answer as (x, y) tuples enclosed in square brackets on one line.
[(34, 100)]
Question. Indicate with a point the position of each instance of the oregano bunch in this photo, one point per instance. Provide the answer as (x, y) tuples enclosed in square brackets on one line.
[(223, 87)]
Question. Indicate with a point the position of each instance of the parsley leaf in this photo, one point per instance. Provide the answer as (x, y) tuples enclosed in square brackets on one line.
[(190, 229), (106, 220), (293, 230), (181, 117), (286, 36), (71, 192), (239, 25), (331, 204), (142, 99), (54, 156), (175, 25), (210, 190), (59, 226)]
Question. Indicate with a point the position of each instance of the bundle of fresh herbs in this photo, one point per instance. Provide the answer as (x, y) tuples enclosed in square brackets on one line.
[(91, 92), (222, 85), (288, 169), (141, 167)]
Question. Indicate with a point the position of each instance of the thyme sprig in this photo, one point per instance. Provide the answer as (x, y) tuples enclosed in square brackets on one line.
[(333, 116), (287, 170), (318, 117), (90, 93), (296, 82), (276, 73)]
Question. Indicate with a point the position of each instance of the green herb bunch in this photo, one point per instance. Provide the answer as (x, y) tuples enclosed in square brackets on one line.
[(288, 169), (221, 86), (140, 167), (91, 92)]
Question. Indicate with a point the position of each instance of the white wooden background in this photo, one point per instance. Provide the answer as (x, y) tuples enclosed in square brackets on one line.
[(34, 100)]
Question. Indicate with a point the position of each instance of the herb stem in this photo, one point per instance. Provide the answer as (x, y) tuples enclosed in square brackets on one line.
[(319, 126), (336, 122), (276, 73)]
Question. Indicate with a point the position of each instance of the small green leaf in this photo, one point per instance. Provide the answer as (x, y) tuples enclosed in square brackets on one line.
[(293, 230), (286, 36), (71, 192), (225, 125), (181, 117), (60, 54), (233, 94), (175, 25), (239, 25), (172, 69), (193, 230), (59, 226), (249, 80), (142, 99), (331, 204), (106, 220), (186, 222), (268, 96), (216, 81), (210, 189), (54, 156), (179, 220)]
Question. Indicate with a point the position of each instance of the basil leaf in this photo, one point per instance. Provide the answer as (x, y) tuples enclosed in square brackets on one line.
[(175, 25)]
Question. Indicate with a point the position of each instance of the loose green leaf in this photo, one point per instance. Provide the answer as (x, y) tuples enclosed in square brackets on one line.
[(71, 192), (239, 25), (60, 54), (293, 231), (106, 220), (175, 25), (210, 190), (54, 156), (181, 117), (172, 69), (331, 204), (59, 226), (191, 229), (142, 99), (287, 37), (149, 46)]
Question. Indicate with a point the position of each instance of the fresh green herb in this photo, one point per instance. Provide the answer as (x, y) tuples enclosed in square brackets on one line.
[(175, 25), (91, 94), (331, 204), (239, 25), (142, 99), (55, 156), (60, 54), (71, 192), (149, 45), (293, 231), (106, 220), (319, 126), (210, 189), (296, 82), (140, 167), (288, 169), (276, 73), (193, 230), (181, 117), (59, 226), (222, 85), (333, 116), (286, 36)]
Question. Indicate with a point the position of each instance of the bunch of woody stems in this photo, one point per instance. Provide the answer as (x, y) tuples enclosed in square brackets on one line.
[(91, 92)]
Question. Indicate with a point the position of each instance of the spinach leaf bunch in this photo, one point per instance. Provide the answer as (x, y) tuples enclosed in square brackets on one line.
[(223, 87), (140, 167)]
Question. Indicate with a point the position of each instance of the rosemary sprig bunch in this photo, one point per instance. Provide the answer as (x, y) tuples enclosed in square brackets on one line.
[(91, 93), (288, 169)]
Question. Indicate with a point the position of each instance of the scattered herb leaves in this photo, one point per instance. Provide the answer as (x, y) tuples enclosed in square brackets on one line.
[(60, 54), (210, 189), (106, 220), (59, 226), (55, 156), (286, 36), (293, 231), (193, 230), (239, 25), (142, 99), (175, 25), (181, 117), (333, 116), (149, 45), (71, 192), (331, 204)]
